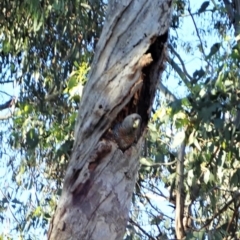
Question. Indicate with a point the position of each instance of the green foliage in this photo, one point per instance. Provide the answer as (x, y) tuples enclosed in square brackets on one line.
[(76, 81), (46, 50)]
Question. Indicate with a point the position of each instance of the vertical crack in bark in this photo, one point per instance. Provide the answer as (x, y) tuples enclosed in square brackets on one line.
[(151, 74)]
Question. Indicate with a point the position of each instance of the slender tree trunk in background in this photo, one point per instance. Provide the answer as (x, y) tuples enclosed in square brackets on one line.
[(100, 178), (233, 9)]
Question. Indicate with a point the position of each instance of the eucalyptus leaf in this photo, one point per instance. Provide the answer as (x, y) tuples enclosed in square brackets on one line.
[(178, 139)]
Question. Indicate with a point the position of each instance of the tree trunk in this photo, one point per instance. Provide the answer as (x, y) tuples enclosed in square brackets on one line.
[(100, 178)]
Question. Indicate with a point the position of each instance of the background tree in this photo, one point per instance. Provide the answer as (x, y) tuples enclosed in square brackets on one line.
[(197, 100)]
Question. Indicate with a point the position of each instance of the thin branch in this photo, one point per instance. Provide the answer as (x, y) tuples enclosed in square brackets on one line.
[(7, 104), (6, 93), (154, 192), (179, 71), (53, 95), (168, 95), (169, 163), (7, 81), (160, 164), (195, 25), (154, 216), (9, 207), (231, 222), (225, 207), (142, 230), (181, 61), (158, 211)]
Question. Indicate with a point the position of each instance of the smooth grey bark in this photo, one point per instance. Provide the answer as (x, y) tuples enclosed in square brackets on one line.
[(124, 76)]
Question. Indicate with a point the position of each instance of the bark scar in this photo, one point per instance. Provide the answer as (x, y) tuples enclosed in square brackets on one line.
[(81, 176)]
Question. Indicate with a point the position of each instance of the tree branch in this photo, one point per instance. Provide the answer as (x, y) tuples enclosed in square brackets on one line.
[(142, 230), (181, 61), (196, 28), (179, 71), (7, 81), (7, 104), (224, 208), (168, 95), (6, 93), (179, 193)]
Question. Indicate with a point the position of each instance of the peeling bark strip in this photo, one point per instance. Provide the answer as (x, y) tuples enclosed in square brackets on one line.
[(100, 178)]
